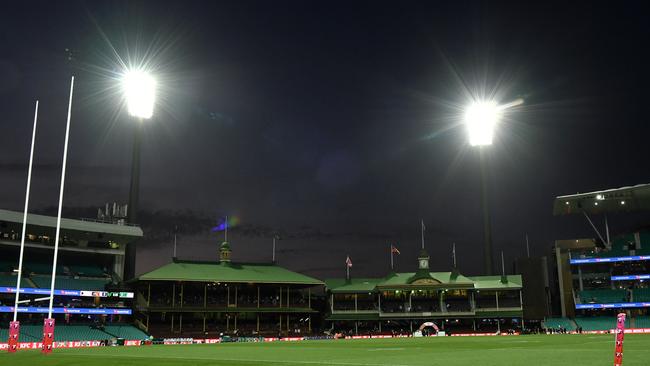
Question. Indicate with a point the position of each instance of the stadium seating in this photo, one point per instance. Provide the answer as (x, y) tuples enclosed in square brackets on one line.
[(641, 294), (87, 270), (125, 331), (556, 323), (7, 266), (642, 322), (599, 323), (7, 280), (43, 268), (77, 333), (603, 296), (68, 283)]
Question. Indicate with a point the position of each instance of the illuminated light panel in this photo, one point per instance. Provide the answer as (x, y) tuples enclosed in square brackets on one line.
[(610, 259), (62, 310), (631, 277), (614, 306), (140, 93), (481, 119)]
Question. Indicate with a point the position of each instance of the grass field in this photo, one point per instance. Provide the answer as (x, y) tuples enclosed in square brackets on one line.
[(573, 350)]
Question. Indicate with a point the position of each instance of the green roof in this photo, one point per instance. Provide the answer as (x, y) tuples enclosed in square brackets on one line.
[(445, 278), (399, 280), (227, 272), (355, 284), (494, 282)]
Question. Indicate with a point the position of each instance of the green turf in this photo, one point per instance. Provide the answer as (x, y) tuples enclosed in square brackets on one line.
[(554, 350)]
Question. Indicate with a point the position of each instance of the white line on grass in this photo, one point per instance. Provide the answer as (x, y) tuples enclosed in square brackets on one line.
[(386, 349), (256, 361)]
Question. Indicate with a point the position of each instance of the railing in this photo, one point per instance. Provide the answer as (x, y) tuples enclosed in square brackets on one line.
[(107, 222), (355, 311), (501, 308)]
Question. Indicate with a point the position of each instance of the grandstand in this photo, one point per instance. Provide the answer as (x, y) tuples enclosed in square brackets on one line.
[(599, 277), (184, 298), (90, 245), (403, 301), (91, 262)]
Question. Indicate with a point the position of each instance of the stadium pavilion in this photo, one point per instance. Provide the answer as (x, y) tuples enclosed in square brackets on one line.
[(401, 302), (190, 299)]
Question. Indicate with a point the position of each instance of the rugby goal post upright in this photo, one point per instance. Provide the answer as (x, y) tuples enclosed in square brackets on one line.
[(620, 332), (14, 326), (48, 324)]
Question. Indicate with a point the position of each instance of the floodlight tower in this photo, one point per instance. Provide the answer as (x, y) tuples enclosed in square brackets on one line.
[(140, 93), (481, 119)]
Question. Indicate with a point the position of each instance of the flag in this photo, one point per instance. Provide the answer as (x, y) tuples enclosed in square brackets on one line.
[(348, 262), (393, 249)]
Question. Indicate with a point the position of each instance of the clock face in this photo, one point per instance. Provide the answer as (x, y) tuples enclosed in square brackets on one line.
[(424, 263)]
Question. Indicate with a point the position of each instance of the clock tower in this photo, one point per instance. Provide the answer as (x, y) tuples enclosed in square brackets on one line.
[(422, 276), (224, 252), (423, 261)]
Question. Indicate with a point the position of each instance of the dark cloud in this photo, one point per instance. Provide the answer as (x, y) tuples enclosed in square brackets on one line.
[(330, 123)]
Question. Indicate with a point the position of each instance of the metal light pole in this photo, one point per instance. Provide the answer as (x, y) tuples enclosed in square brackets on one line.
[(140, 94), (134, 188), (485, 205)]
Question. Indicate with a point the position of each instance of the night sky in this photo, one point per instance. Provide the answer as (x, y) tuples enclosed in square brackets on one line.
[(336, 123)]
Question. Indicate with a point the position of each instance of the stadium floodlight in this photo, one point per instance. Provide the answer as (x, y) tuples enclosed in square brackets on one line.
[(481, 118), (140, 92)]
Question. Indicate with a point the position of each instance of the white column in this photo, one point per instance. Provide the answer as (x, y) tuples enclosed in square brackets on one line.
[(356, 308)]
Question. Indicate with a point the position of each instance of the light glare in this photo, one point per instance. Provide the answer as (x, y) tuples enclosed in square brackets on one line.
[(481, 119), (140, 93)]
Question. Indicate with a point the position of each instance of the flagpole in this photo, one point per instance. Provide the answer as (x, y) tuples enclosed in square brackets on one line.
[(503, 265), (347, 269), (61, 189), (174, 244), (527, 246), (225, 235), (22, 240), (273, 248), (453, 252), (422, 234), (391, 257)]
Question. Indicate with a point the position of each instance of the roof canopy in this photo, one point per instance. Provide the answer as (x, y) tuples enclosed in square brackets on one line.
[(227, 272), (634, 198), (46, 225)]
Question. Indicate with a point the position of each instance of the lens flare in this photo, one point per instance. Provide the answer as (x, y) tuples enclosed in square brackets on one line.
[(233, 221)]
